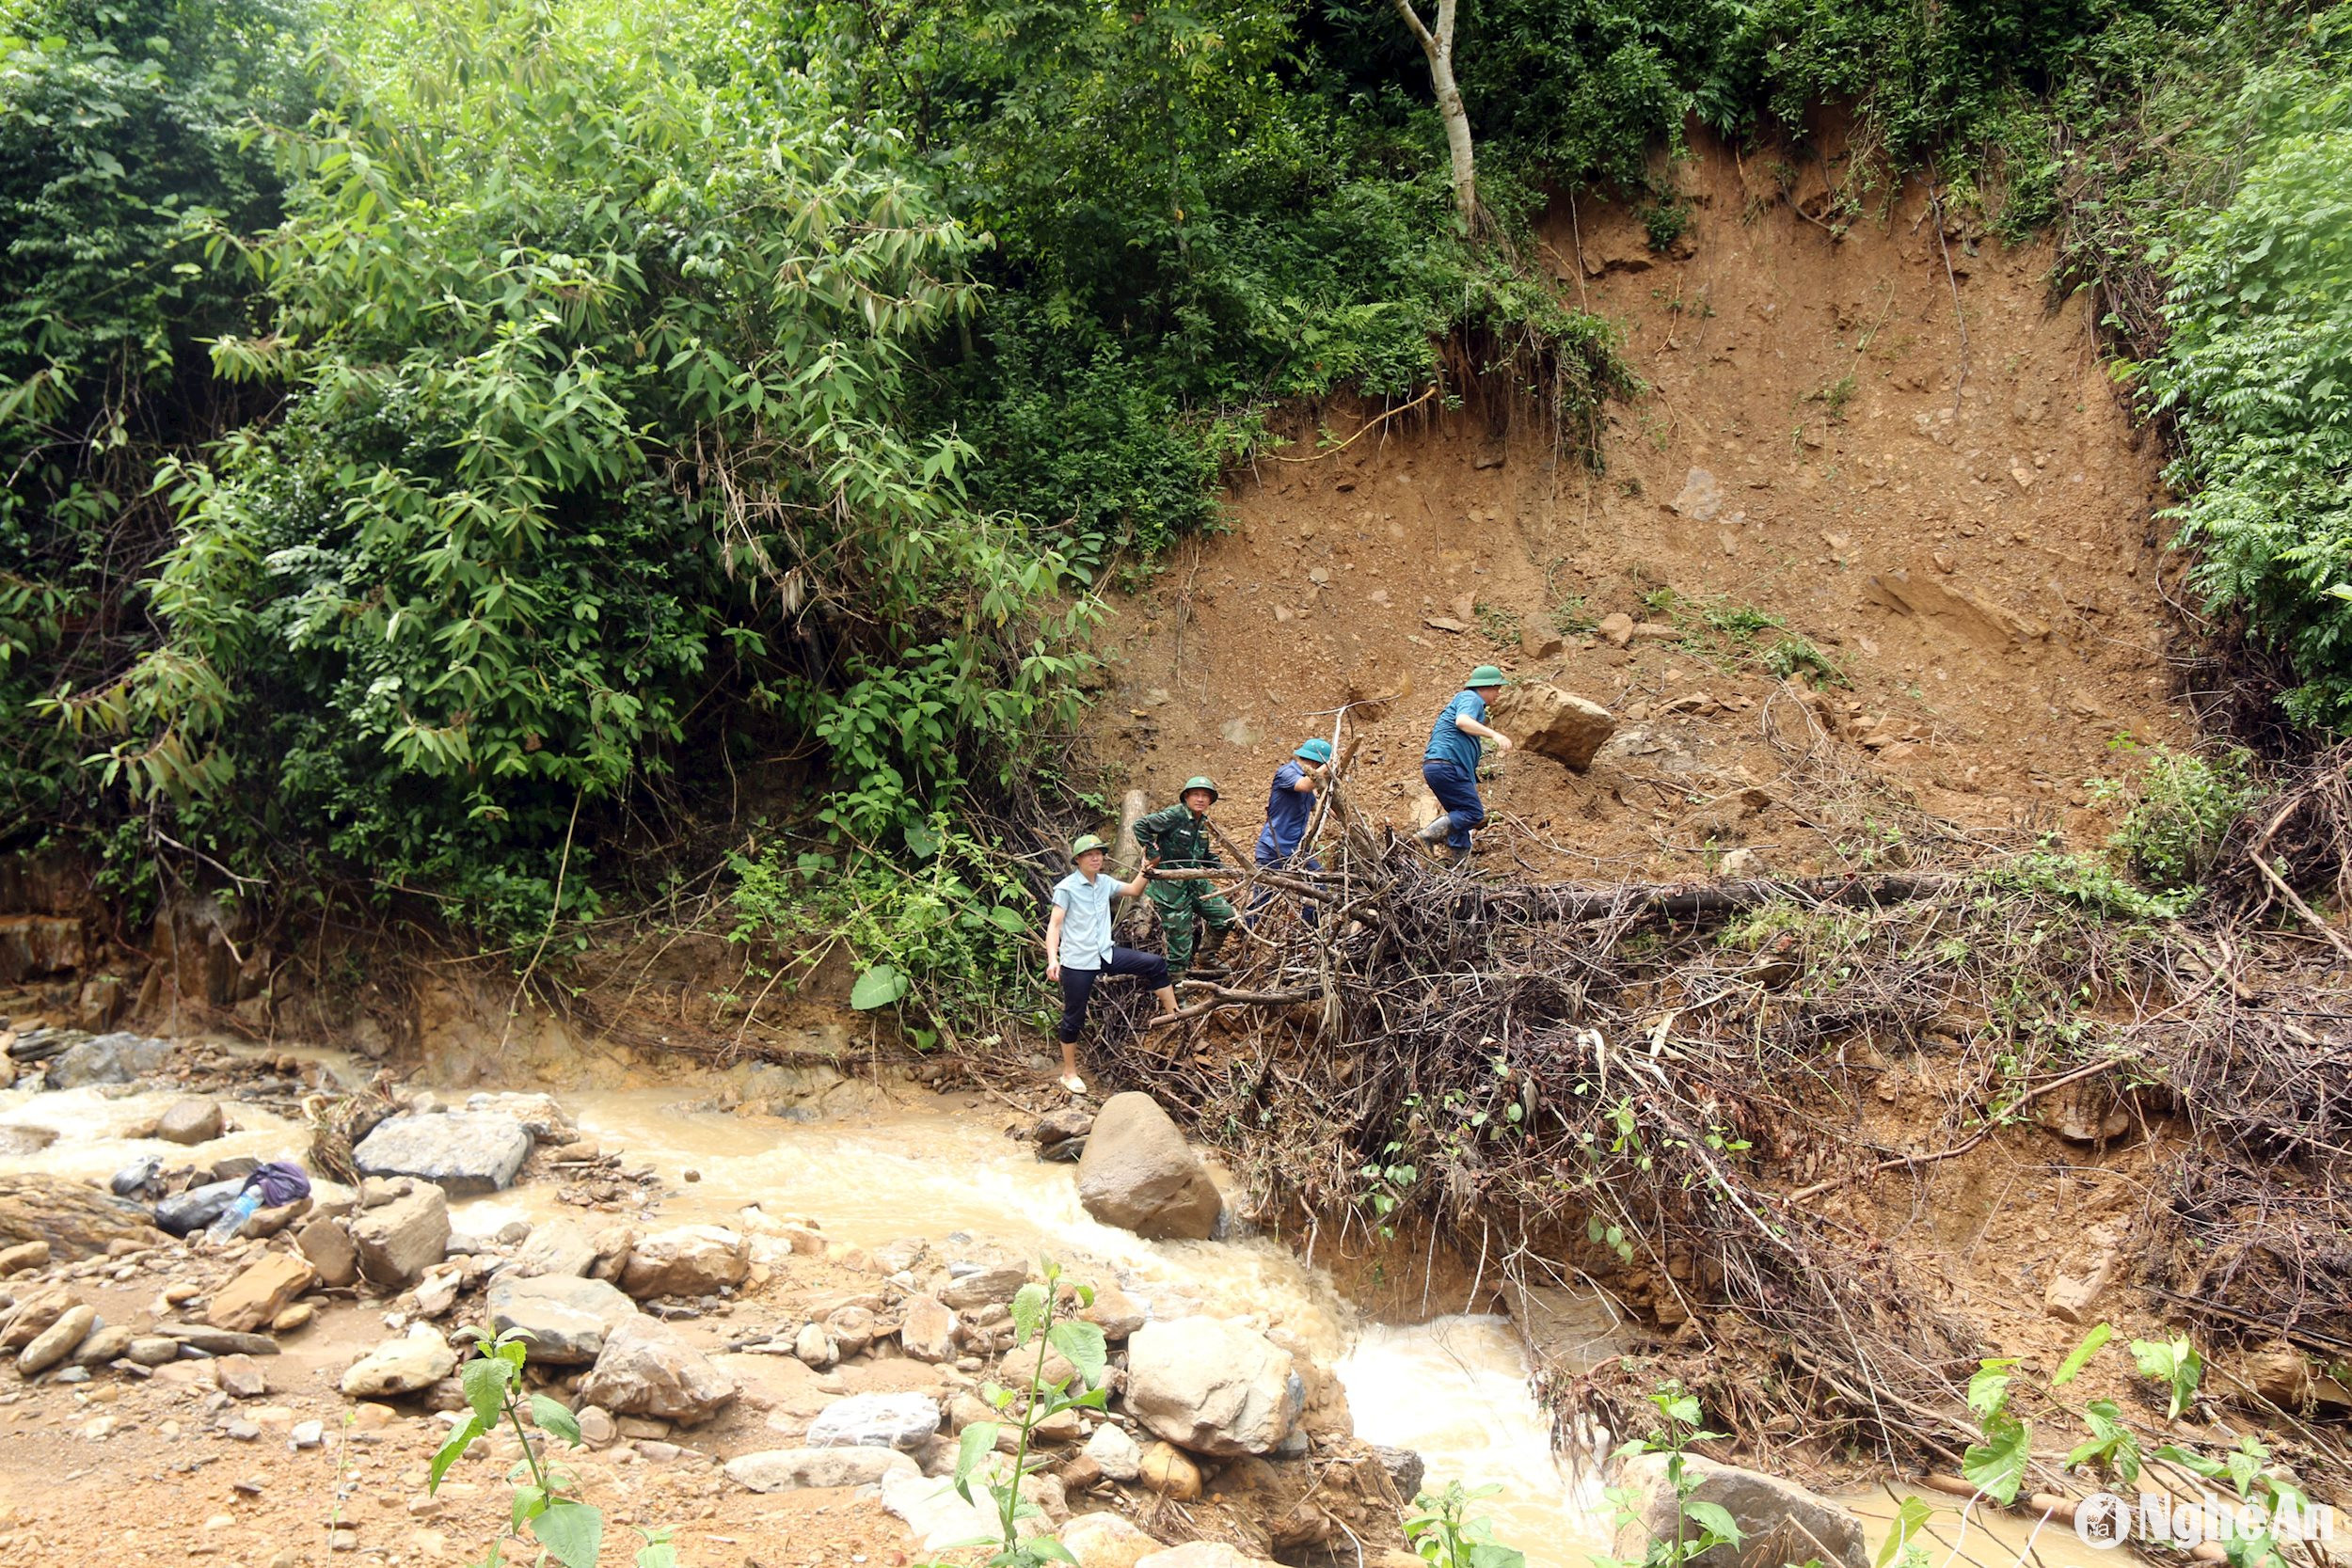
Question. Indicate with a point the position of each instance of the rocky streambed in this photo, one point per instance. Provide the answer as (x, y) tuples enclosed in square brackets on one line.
[(772, 1331)]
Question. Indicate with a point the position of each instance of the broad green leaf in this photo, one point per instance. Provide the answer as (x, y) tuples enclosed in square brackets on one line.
[(1028, 1312), (1008, 919), (2110, 1443), (978, 1441), (530, 1502), (1988, 1388), (548, 1415), (1910, 1519), (1082, 1345), (1996, 1466), (573, 1531), (1046, 1549), (921, 842), (2212, 1469), (448, 1452), (2080, 1356), (1714, 1518), (484, 1379), (1488, 1554), (879, 987)]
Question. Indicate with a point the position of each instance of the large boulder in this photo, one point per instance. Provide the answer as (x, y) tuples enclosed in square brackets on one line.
[(688, 1260), (1213, 1387), (76, 1221), (1140, 1174), (418, 1360), (109, 1059), (558, 1248), (567, 1317), (647, 1368), (464, 1154), (792, 1469), (875, 1421), (1555, 723), (265, 1288), (398, 1241), (1779, 1521)]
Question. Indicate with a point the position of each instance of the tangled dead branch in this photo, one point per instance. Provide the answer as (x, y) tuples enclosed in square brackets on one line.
[(1658, 1084)]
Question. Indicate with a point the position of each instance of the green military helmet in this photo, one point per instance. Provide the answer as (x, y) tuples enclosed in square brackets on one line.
[(1314, 751), (1486, 674), (1085, 842), (1199, 781)]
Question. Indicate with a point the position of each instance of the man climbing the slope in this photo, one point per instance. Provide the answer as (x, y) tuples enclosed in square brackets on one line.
[(1079, 950), (1450, 766), (1289, 802), (1177, 837)]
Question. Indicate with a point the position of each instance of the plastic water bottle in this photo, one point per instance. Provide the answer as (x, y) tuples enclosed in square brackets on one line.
[(233, 1217)]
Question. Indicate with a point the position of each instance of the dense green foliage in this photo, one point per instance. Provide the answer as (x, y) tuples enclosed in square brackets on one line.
[(444, 440)]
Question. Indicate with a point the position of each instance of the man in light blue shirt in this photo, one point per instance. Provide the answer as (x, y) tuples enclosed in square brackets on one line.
[(1079, 950), (1449, 765)]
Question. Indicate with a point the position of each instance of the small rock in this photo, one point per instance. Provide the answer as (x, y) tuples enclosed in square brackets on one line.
[(152, 1351), (396, 1242), (240, 1377), (791, 1469), (645, 1368), (242, 1430), (875, 1421), (306, 1434), (566, 1317), (1616, 628), (1779, 1521), (402, 1365), (851, 1329), (688, 1260), (261, 1292), (597, 1427), (330, 1251), (1106, 1540), (1701, 497), (1167, 1470), (190, 1121), (813, 1346), (1115, 1312), (929, 1331), (55, 1342), (558, 1248), (1742, 864), (106, 1346), (1115, 1453), (24, 1256), (1405, 1468), (292, 1320)]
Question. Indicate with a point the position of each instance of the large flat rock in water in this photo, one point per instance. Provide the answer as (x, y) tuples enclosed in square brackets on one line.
[(76, 1221), (464, 1154)]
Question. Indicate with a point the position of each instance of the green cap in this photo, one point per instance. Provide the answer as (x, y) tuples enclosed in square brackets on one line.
[(1081, 844), (1314, 751), (1485, 675), (1199, 781)]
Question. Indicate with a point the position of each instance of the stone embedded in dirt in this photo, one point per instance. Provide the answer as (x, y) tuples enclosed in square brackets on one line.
[(565, 1316), (597, 1428), (1140, 1174), (1700, 498), (688, 1260), (190, 1121), (1170, 1472), (648, 1369), (77, 1221), (55, 1342), (1204, 1554), (875, 1421), (1779, 1521), (1115, 1453), (116, 1058), (558, 1248), (397, 1242), (1213, 1387), (24, 1255), (2087, 1113), (982, 1279), (106, 1344), (184, 1213), (2286, 1377), (815, 1347), (1405, 1468), (153, 1350), (851, 1328), (306, 1434), (222, 1341), (1656, 631), (418, 1359), (330, 1251), (1060, 1125), (464, 1154), (793, 1469), (240, 1377), (1741, 864), (1106, 1540), (1555, 724), (1115, 1312), (1541, 642), (1445, 624), (929, 1331), (264, 1290), (1616, 628), (292, 1320)]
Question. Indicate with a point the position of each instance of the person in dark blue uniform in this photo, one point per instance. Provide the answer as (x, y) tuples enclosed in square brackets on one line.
[(1289, 802), (1450, 766)]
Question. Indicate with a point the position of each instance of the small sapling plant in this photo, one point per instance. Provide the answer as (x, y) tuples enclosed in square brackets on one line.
[(547, 1498), (1040, 1319), (1442, 1535), (1699, 1526)]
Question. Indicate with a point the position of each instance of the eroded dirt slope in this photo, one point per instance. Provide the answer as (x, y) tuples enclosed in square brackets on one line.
[(1961, 527)]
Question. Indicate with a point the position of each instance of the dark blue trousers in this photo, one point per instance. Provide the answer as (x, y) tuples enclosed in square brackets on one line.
[(1077, 985), (1456, 789)]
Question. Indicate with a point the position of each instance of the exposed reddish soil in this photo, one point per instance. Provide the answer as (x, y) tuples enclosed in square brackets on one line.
[(1812, 427)]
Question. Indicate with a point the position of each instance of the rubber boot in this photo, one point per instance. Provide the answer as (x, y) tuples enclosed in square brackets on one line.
[(1204, 957), (1436, 833)]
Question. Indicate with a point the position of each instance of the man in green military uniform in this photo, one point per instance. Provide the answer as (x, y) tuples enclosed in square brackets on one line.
[(1178, 837)]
